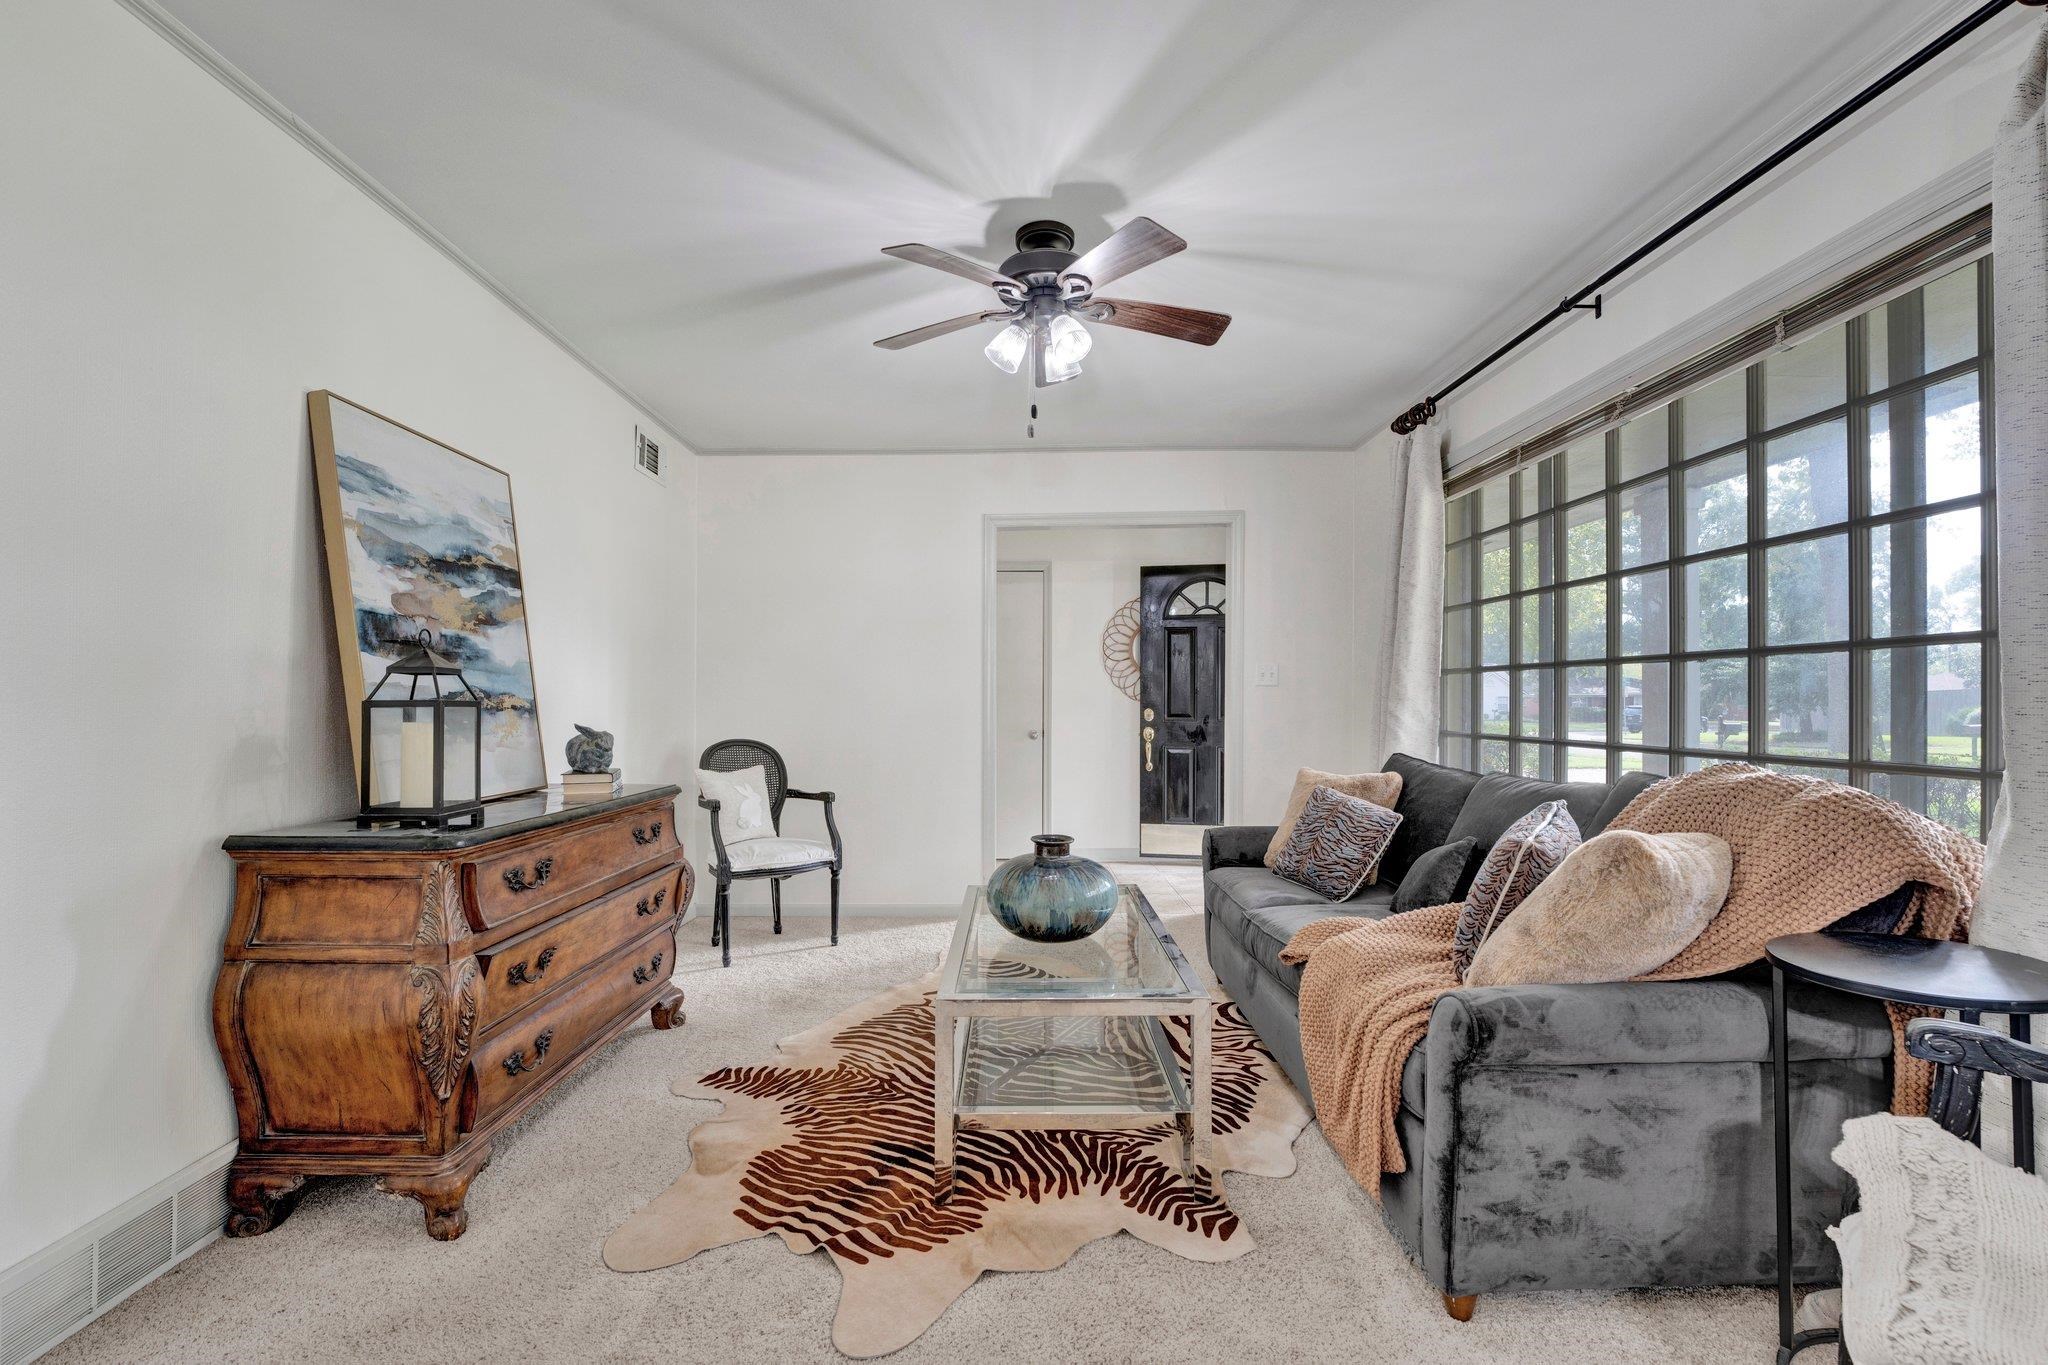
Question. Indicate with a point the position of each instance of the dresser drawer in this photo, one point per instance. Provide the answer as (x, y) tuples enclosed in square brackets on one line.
[(521, 971), (552, 871), (531, 1048)]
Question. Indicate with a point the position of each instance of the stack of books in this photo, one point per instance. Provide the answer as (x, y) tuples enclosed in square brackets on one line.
[(590, 786)]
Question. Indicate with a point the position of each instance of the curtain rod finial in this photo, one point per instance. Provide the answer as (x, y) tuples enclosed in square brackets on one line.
[(1426, 409)]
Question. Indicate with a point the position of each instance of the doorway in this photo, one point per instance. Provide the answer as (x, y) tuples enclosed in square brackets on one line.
[(1181, 703), (1022, 758), (1090, 747)]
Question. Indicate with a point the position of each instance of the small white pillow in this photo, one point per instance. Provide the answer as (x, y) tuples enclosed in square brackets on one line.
[(742, 799)]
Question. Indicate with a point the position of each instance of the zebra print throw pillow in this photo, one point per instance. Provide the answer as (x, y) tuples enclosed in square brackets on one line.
[(1522, 857), (1336, 844)]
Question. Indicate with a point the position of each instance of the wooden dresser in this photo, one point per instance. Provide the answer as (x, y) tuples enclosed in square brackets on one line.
[(389, 999)]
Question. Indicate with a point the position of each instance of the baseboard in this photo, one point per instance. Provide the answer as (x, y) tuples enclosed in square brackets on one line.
[(71, 1282), (1109, 855)]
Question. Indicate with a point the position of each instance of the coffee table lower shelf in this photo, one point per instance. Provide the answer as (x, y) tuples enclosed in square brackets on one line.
[(1089, 1065)]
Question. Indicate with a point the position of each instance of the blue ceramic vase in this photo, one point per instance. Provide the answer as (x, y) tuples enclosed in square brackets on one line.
[(1050, 896)]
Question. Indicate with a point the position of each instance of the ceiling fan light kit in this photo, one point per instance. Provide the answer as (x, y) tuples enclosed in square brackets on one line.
[(1046, 292)]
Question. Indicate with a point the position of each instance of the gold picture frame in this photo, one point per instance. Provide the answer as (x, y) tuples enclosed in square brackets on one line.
[(420, 535)]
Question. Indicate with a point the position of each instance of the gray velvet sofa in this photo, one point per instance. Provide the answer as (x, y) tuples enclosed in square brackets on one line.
[(1569, 1137)]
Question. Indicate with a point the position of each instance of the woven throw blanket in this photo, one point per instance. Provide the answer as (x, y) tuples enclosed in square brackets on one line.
[(1944, 1261), (1807, 852)]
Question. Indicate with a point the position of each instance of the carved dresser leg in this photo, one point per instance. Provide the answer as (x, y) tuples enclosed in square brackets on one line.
[(440, 1196), (259, 1200), (1460, 1306), (668, 1009)]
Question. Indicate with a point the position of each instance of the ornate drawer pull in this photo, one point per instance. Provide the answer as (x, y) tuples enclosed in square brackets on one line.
[(648, 834), (518, 976), (517, 1062), (651, 972), (645, 907), (516, 878)]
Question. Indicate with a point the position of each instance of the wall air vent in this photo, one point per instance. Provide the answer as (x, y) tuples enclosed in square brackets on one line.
[(52, 1294), (647, 456)]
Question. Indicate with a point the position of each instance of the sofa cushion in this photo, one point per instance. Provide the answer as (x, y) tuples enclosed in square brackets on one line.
[(1431, 797), (1625, 790), (1439, 876), (1498, 800), (1260, 911)]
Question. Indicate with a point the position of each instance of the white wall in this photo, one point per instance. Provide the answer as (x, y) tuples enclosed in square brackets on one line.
[(840, 614), (179, 272), (1092, 728)]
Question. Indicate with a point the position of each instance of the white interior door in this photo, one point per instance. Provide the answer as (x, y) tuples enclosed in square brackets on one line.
[(1020, 709)]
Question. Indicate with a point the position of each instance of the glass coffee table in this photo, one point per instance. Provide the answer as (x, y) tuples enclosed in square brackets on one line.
[(1069, 1035)]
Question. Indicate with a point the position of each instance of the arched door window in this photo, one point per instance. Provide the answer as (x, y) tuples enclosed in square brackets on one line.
[(1202, 597)]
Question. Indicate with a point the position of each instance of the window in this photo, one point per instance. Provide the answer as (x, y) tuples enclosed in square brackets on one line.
[(1791, 565), (1203, 597)]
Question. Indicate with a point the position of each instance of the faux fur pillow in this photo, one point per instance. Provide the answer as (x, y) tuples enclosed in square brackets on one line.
[(1620, 905), (1529, 850), (1382, 789), (1337, 843)]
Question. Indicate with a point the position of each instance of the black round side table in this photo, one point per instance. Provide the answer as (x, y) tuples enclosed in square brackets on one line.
[(1912, 971)]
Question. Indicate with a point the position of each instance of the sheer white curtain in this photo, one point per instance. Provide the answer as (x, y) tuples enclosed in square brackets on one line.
[(2014, 910), (1411, 645)]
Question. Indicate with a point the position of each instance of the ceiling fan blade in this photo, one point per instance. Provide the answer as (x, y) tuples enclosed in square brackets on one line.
[(953, 265), (938, 329), (1133, 246), (1182, 324)]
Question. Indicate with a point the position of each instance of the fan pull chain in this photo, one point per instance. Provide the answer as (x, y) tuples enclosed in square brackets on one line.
[(1031, 427)]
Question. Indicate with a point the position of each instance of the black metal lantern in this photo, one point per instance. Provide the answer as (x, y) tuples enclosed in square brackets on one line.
[(422, 743)]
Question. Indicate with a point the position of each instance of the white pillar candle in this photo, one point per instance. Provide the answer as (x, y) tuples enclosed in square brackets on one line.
[(416, 763)]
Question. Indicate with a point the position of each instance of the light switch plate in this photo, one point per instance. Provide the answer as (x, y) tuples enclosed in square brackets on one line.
[(1269, 675)]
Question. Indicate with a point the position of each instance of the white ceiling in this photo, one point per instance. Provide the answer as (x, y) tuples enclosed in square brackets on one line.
[(694, 193)]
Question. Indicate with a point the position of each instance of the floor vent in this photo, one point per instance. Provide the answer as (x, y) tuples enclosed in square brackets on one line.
[(48, 1308), (57, 1291), (135, 1251), (202, 1209)]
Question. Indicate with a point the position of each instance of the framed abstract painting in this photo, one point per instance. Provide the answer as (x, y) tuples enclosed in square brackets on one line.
[(421, 536)]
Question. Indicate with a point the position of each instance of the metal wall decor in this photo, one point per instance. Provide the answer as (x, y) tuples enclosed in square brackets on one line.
[(1120, 648)]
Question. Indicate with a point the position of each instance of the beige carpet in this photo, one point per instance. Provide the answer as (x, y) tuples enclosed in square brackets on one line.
[(352, 1276)]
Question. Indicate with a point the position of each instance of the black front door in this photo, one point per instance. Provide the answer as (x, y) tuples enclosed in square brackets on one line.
[(1180, 703)]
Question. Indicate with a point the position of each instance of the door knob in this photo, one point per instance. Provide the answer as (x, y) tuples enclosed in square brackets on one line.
[(1031, 734), (1148, 733)]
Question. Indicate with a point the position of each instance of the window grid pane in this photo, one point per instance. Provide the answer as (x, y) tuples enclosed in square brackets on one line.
[(1786, 566)]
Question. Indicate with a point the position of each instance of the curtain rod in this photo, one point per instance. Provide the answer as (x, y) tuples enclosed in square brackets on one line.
[(1589, 299)]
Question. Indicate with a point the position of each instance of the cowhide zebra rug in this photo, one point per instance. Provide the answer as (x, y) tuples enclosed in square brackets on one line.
[(829, 1147)]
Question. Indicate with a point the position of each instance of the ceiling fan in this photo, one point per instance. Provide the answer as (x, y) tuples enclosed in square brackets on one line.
[(1046, 292)]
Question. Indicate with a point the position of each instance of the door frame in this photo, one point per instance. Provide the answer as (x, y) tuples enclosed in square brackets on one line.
[(1043, 568), (1232, 522)]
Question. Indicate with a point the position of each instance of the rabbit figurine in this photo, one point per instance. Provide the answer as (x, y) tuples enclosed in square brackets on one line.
[(590, 751)]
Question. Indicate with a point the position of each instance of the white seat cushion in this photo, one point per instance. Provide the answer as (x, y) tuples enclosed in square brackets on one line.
[(756, 854)]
